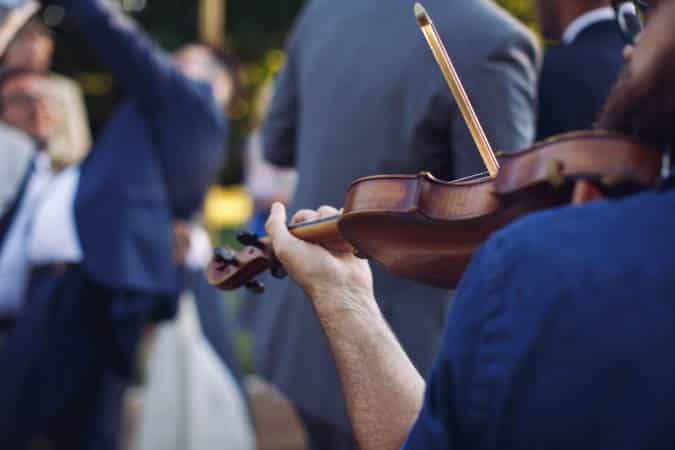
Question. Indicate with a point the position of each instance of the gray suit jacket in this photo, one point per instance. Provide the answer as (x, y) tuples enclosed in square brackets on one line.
[(360, 95)]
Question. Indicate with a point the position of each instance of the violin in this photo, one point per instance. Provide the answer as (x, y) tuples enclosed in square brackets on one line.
[(427, 230)]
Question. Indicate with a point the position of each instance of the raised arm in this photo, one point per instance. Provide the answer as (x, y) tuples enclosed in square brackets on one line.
[(384, 393), (144, 70), (383, 390)]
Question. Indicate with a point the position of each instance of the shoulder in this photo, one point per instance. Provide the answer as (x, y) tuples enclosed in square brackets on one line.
[(480, 24), (596, 242), (561, 70), (507, 42), (566, 258), (505, 31), (486, 37)]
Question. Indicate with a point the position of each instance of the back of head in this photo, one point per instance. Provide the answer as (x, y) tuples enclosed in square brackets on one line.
[(643, 101)]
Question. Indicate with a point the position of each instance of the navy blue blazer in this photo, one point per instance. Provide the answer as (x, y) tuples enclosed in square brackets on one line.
[(576, 79), (74, 342), (151, 164), (560, 347)]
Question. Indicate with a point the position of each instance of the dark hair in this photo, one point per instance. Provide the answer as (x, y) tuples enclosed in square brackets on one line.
[(643, 103)]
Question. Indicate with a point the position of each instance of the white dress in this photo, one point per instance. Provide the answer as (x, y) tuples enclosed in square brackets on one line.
[(191, 400)]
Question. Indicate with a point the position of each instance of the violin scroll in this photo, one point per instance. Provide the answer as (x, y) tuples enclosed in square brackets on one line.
[(229, 270)]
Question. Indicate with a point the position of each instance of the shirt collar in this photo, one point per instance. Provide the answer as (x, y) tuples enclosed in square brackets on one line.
[(586, 20)]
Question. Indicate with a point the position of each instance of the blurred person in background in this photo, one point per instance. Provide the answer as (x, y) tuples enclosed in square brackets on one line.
[(361, 94), (87, 260), (561, 334), (581, 68), (265, 182), (32, 49), (16, 153), (192, 395)]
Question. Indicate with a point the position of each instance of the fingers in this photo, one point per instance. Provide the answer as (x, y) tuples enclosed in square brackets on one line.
[(304, 215), (308, 215), (327, 211)]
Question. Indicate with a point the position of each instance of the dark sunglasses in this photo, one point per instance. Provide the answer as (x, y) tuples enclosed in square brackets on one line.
[(630, 17)]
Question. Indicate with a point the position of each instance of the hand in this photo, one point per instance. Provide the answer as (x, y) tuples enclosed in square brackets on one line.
[(334, 281)]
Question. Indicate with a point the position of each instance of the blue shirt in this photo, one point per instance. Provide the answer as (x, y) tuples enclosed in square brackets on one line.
[(562, 335)]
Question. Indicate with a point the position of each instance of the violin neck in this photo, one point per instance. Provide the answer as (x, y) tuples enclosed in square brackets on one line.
[(324, 232)]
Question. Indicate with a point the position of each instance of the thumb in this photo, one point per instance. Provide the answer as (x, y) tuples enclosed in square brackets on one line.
[(276, 223)]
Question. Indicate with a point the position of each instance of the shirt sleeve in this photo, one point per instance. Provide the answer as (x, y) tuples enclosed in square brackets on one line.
[(449, 412)]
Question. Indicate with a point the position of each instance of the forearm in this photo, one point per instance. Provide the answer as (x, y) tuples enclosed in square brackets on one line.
[(383, 390)]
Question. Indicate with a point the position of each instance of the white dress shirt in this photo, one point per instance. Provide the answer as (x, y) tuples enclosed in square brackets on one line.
[(14, 258), (586, 20), (53, 238), (42, 231), (17, 152)]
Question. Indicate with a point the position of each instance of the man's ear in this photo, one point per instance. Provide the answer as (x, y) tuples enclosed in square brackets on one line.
[(585, 192)]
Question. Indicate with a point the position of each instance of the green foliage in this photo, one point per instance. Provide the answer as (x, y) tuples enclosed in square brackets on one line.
[(523, 9)]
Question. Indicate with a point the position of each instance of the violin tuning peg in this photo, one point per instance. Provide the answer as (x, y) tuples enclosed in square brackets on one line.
[(359, 254), (255, 286), (278, 271), (225, 256), (249, 239)]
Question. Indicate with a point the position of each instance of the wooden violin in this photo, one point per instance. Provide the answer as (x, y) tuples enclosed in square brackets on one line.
[(427, 230)]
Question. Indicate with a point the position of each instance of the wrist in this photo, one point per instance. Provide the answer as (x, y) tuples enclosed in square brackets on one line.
[(336, 302)]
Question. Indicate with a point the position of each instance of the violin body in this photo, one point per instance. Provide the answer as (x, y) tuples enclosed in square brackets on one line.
[(419, 227), (427, 230)]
